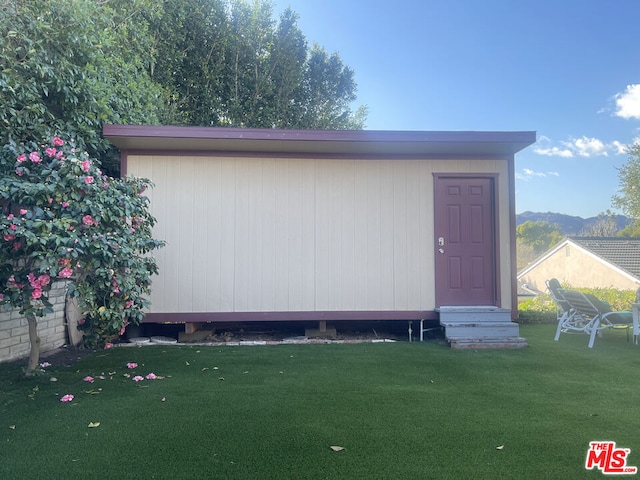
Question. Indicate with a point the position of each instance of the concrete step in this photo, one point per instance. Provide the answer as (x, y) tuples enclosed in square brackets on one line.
[(482, 326), (481, 329), (487, 343), (474, 314)]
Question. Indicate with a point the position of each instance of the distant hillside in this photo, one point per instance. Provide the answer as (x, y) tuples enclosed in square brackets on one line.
[(569, 224)]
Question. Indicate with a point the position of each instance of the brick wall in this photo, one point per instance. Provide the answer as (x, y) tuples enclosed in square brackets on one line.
[(52, 329)]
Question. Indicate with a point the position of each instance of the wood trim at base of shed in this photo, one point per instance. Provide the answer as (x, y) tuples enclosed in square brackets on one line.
[(204, 317)]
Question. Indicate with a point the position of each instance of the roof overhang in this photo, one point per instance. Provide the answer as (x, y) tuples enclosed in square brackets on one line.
[(347, 142)]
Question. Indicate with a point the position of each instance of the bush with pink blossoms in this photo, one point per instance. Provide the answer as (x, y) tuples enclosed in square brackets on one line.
[(61, 218)]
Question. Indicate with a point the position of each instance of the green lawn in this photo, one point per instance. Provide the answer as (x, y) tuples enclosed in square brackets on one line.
[(400, 410)]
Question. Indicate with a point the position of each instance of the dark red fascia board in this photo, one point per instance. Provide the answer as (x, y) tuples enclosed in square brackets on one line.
[(221, 317)]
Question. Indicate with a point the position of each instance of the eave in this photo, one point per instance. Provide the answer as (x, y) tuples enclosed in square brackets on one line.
[(338, 142)]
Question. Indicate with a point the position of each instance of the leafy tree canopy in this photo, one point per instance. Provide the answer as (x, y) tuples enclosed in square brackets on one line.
[(539, 235), (74, 65), (71, 66), (628, 198)]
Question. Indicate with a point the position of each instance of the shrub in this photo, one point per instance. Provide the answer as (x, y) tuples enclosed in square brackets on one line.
[(62, 218), (542, 309)]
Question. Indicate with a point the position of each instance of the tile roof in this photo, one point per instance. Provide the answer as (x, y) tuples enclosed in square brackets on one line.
[(624, 253)]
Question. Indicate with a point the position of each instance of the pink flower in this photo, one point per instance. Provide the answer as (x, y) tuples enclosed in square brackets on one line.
[(132, 365), (124, 328), (88, 379), (21, 158), (43, 279), (45, 365), (128, 304), (137, 378), (65, 273), (50, 200), (64, 204), (23, 211), (67, 398), (50, 152), (86, 166), (88, 179), (107, 346), (35, 157), (9, 237), (151, 376), (13, 227), (88, 220), (37, 293), (81, 321), (58, 142), (19, 172)]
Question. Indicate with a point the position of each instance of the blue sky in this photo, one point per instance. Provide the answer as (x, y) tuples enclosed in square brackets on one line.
[(567, 69)]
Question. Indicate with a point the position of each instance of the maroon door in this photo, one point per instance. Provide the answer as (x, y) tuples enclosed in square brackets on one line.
[(464, 241)]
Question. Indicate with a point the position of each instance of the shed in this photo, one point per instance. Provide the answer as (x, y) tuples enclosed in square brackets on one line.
[(265, 224), (587, 262)]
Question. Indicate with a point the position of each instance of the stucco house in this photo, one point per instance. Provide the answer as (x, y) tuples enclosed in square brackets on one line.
[(587, 262), (287, 225)]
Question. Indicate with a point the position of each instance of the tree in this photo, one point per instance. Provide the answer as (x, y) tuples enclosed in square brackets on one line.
[(534, 238), (232, 64), (630, 231), (540, 235), (63, 219), (628, 198), (73, 65), (604, 226)]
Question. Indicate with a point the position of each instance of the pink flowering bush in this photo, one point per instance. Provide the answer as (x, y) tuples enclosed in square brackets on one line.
[(61, 218)]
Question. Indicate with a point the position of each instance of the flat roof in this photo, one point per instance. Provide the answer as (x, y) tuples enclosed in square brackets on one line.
[(349, 142)]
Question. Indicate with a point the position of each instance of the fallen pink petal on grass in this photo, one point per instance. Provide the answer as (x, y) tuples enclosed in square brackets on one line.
[(164, 399), (137, 378), (151, 376), (88, 379), (132, 365), (67, 398)]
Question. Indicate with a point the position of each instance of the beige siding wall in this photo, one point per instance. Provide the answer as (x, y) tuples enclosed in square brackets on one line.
[(271, 234), (579, 269)]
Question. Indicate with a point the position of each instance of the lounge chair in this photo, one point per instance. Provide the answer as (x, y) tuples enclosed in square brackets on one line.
[(569, 320), (597, 312)]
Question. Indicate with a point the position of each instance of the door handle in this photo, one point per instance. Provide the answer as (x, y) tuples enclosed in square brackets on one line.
[(441, 241)]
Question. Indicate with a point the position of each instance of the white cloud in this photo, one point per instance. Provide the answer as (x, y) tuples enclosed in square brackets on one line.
[(579, 147), (628, 102), (587, 147), (554, 152), (527, 174), (620, 148)]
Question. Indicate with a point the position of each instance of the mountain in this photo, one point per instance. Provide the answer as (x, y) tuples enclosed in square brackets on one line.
[(569, 224)]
